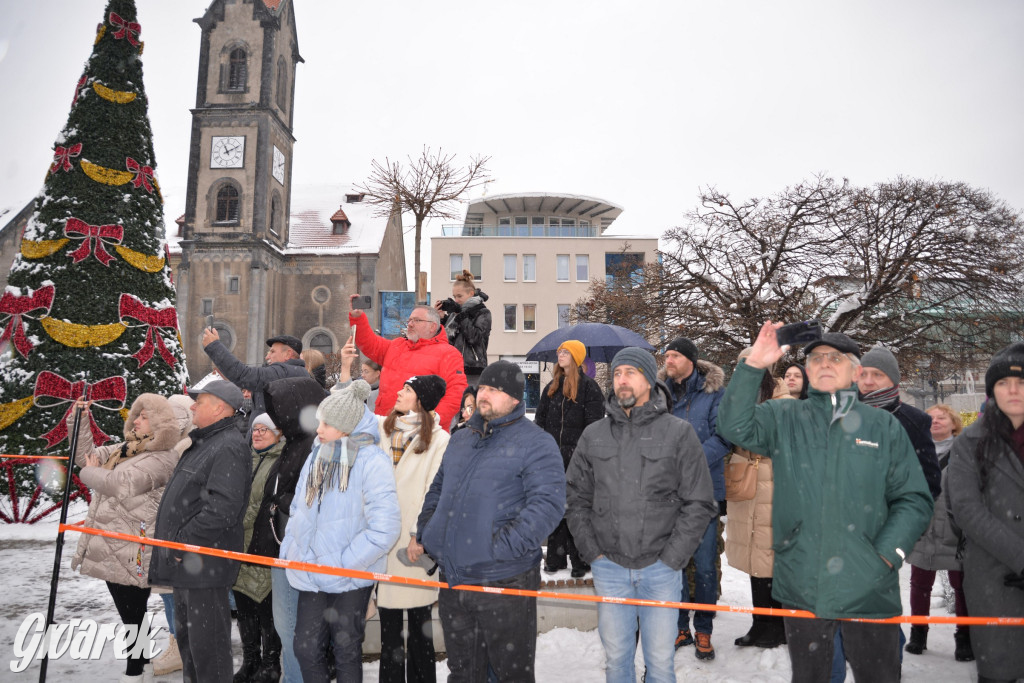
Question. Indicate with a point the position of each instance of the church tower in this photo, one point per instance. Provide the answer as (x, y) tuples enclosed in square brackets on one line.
[(239, 175)]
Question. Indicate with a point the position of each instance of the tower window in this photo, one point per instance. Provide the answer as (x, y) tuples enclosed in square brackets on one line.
[(234, 284), (282, 85), (275, 215), (322, 343), (227, 205), (237, 70)]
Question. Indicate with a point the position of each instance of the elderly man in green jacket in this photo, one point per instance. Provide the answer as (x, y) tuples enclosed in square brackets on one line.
[(850, 500)]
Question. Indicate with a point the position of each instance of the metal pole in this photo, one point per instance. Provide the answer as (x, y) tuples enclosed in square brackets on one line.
[(60, 547)]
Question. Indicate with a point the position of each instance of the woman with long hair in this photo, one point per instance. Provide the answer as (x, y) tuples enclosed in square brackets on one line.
[(936, 550), (986, 494), (569, 403), (748, 529), (413, 438), (127, 480), (468, 324)]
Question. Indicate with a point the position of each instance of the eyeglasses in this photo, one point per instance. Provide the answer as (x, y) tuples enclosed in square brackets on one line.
[(417, 320), (261, 430), (834, 358)]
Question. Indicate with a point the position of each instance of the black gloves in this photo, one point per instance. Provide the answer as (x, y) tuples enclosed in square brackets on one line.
[(1014, 580)]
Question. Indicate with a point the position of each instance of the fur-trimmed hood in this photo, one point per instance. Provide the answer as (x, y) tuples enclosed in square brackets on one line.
[(714, 376), (162, 421)]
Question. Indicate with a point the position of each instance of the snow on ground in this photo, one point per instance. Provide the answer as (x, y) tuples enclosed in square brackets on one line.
[(26, 561)]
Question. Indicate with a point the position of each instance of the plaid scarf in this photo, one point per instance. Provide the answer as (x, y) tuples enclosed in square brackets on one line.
[(132, 446), (406, 429), (331, 464)]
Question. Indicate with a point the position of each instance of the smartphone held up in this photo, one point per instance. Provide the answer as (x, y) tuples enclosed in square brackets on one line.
[(798, 334)]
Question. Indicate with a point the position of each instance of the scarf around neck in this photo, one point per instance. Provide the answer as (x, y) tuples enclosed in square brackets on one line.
[(132, 446), (883, 398), (331, 465), (406, 428)]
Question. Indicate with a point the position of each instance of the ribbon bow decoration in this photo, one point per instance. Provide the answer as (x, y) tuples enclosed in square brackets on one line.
[(62, 157), (14, 307), (143, 174), (154, 318), (125, 29), (52, 385), (95, 236)]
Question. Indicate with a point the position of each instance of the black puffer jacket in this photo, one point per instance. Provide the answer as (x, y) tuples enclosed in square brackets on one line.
[(564, 419), (469, 331), (285, 399)]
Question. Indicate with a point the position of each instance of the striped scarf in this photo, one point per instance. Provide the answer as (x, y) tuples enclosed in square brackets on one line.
[(883, 398), (406, 429), (331, 465)]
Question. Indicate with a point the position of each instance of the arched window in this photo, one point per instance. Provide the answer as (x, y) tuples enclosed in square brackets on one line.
[(275, 215), (282, 84), (322, 343), (237, 70), (227, 205)]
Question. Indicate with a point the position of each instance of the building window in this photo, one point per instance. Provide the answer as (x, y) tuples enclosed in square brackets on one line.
[(562, 267), (322, 343), (455, 265), (228, 204), (537, 226), (522, 226), (510, 317), (529, 267), (624, 268), (582, 267), (321, 295), (227, 336), (206, 307), (275, 215), (510, 267), (563, 315), (234, 284), (584, 230), (476, 262), (568, 227), (505, 227), (529, 317), (237, 70)]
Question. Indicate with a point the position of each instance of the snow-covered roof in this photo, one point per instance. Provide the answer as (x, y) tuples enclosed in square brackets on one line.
[(540, 203)]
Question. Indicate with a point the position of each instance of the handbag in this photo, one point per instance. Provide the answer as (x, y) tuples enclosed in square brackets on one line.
[(741, 479), (280, 510)]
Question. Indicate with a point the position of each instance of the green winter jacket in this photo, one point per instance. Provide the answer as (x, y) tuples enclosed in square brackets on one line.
[(254, 579), (848, 491)]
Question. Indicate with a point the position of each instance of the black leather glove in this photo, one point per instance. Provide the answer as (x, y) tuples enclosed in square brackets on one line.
[(449, 306), (1014, 580)]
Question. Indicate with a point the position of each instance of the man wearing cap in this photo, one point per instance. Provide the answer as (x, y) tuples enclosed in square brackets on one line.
[(498, 494), (204, 504), (696, 388), (639, 498), (282, 361), (850, 501), (424, 350)]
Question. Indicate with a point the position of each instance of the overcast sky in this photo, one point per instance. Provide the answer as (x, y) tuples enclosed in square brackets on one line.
[(640, 103)]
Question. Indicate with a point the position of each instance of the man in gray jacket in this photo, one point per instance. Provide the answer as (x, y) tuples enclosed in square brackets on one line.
[(639, 498)]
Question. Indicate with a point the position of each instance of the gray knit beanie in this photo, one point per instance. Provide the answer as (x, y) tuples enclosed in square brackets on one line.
[(882, 359), (639, 359), (344, 409)]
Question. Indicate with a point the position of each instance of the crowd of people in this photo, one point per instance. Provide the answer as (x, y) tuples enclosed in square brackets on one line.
[(818, 482)]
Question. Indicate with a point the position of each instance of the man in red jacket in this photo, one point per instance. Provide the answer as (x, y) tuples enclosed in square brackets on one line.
[(424, 350)]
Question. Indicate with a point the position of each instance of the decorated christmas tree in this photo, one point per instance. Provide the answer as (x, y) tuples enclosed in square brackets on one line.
[(89, 308)]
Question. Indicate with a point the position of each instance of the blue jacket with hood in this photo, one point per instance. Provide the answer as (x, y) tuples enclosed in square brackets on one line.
[(352, 529), (498, 495)]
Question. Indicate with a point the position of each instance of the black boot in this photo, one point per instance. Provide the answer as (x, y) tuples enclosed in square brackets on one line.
[(249, 632), (753, 635), (918, 642), (270, 666), (964, 652)]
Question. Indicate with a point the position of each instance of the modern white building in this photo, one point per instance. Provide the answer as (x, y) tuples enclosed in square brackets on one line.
[(534, 255)]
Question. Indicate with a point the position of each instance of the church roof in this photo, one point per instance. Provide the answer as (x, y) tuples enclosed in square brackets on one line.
[(314, 210), (272, 4)]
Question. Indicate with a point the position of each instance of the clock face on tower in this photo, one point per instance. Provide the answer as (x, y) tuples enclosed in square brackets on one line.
[(227, 152), (278, 169)]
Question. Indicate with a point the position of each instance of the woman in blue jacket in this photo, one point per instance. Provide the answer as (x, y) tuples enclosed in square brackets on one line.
[(345, 514)]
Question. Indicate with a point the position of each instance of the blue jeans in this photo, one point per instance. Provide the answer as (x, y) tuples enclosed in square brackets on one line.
[(706, 581), (168, 599), (617, 624), (286, 605)]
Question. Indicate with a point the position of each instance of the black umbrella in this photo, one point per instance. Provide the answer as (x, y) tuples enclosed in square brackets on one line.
[(602, 340)]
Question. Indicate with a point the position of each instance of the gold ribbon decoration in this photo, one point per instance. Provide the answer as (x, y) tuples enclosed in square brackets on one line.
[(12, 412), (107, 176), (144, 262), (81, 336), (42, 248), (116, 96)]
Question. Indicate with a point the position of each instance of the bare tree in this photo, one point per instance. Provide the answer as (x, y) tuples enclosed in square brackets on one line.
[(925, 267), (427, 187)]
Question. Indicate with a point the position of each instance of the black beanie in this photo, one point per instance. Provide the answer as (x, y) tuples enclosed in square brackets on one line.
[(684, 346), (1007, 363), (429, 390), (504, 376)]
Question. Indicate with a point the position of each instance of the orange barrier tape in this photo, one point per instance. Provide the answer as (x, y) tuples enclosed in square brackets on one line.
[(555, 595), (35, 457)]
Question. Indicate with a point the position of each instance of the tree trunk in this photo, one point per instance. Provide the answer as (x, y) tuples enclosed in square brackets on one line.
[(421, 292)]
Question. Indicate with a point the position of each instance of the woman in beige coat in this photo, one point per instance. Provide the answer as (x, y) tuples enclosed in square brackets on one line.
[(127, 481), (748, 532)]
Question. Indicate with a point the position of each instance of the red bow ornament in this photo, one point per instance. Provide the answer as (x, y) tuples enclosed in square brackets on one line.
[(14, 307), (154, 318), (125, 29), (62, 157), (95, 236), (143, 174), (51, 385), (78, 89)]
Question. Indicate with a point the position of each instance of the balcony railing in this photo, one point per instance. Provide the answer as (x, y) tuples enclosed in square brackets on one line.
[(520, 231)]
